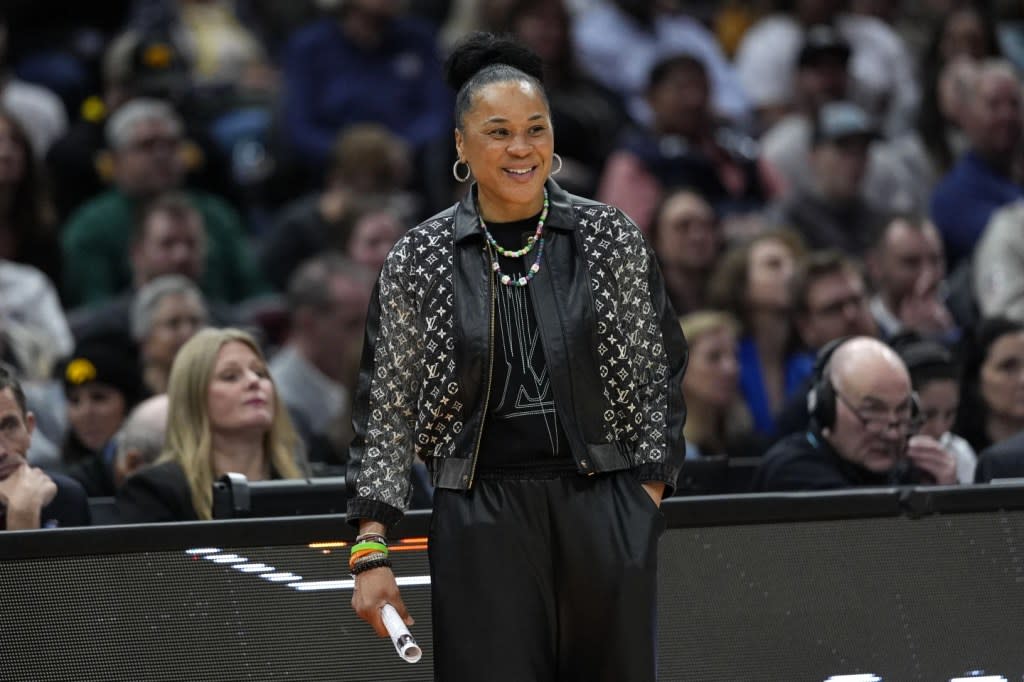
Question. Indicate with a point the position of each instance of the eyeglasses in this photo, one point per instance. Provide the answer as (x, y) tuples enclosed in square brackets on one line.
[(877, 420), (840, 306)]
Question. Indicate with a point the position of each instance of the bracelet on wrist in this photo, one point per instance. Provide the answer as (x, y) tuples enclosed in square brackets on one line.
[(363, 566)]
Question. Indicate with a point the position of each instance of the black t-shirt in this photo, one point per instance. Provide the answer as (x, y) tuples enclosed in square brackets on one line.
[(521, 429)]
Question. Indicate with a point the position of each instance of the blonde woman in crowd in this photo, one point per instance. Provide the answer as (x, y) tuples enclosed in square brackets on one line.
[(224, 416), (716, 417)]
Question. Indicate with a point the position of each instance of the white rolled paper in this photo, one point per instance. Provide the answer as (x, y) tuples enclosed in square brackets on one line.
[(405, 645)]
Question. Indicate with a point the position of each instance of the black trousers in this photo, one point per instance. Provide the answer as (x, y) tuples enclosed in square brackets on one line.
[(545, 579)]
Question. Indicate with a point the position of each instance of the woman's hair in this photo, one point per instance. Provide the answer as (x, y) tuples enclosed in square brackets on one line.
[(189, 441), (727, 289), (930, 122), (697, 324), (484, 58), (735, 422), (32, 213), (971, 417)]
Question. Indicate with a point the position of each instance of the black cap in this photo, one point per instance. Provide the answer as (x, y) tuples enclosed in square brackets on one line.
[(841, 121), (106, 361), (820, 41)]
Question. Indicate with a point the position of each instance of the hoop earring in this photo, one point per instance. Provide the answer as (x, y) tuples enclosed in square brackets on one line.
[(558, 170), (455, 171)]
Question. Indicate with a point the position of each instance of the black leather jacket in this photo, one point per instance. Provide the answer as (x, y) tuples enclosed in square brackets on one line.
[(613, 347)]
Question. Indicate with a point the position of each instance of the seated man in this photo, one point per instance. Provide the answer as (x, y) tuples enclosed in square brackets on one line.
[(863, 420), (29, 497)]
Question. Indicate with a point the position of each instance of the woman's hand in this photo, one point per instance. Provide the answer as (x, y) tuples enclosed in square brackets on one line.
[(374, 589)]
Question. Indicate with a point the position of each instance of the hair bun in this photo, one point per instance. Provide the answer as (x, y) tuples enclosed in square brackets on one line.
[(479, 50)]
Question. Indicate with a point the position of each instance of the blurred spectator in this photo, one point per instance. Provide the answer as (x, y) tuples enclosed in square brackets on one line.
[(863, 428), (221, 48), (715, 415), (935, 377), (992, 405), (982, 180), (369, 168), (165, 314), (683, 147), (962, 38), (101, 385), (146, 63), (908, 269), (754, 283), (224, 415), (316, 370), (820, 77), (28, 230), (30, 498), (587, 116), (364, 63), (145, 138), (28, 300), (648, 33), (141, 439), (39, 111), (687, 240), (998, 271), (881, 68), (830, 210), (830, 302)]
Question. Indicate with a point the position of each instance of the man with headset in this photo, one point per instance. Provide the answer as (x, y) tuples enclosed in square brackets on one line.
[(864, 418)]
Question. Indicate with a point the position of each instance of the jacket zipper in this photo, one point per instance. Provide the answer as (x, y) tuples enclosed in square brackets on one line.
[(490, 366)]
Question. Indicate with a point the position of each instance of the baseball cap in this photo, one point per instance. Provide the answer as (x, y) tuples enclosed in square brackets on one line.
[(842, 120)]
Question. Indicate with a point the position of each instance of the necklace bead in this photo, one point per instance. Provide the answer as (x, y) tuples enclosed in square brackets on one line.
[(535, 240)]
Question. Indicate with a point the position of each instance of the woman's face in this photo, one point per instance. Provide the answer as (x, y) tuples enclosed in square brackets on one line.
[(12, 155), (713, 371), (507, 140), (372, 238), (687, 233), (939, 400), (241, 396), (1002, 377), (770, 269), (95, 413)]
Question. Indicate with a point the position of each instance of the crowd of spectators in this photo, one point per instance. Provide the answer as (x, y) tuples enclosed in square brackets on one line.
[(196, 196)]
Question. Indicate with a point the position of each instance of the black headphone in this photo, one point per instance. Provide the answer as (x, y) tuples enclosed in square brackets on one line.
[(821, 398)]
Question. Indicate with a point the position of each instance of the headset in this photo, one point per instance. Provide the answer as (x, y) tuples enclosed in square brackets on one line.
[(821, 398)]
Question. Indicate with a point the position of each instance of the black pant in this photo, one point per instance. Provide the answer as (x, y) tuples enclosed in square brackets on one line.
[(549, 579)]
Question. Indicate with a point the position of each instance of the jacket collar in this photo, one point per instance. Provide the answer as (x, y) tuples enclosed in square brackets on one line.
[(560, 216)]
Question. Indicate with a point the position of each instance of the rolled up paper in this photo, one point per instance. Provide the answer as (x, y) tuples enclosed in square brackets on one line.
[(405, 645)]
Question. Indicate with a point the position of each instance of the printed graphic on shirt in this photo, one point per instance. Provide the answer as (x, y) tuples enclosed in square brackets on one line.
[(526, 389)]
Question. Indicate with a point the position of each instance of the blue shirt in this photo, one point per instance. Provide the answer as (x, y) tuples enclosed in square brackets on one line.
[(330, 83), (964, 201), (798, 367)]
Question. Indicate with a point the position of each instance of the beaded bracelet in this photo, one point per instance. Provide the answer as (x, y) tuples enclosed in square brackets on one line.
[(368, 555), (368, 565), (372, 537)]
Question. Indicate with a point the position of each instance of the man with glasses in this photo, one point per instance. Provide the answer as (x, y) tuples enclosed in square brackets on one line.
[(863, 430), (145, 137)]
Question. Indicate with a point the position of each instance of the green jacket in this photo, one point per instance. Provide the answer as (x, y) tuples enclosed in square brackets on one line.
[(97, 238)]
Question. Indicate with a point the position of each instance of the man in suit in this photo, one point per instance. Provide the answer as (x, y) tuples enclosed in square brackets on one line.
[(29, 497)]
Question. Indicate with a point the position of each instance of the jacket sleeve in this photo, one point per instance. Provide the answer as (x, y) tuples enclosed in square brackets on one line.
[(384, 413), (660, 351)]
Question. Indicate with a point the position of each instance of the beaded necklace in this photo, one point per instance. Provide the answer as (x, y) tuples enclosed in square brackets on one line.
[(536, 239)]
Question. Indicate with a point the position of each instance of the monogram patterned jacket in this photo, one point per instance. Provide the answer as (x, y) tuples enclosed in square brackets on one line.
[(613, 347)]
